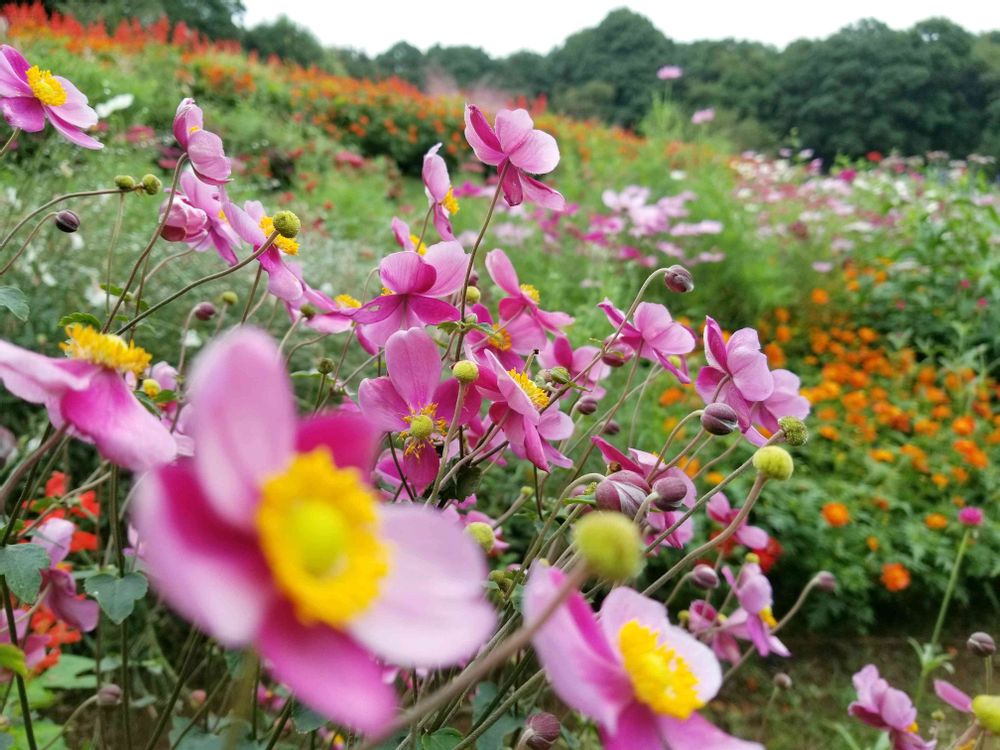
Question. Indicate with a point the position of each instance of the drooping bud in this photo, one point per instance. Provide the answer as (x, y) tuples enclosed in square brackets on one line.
[(465, 371), (151, 184), (825, 581), (286, 223), (617, 354), (986, 709), (610, 545), (783, 681), (125, 182), (796, 432), (704, 576), (611, 428), (204, 311), (678, 279), (719, 419), (586, 405), (981, 644), (541, 731), (483, 534), (325, 366), (67, 221), (109, 695), (472, 294), (623, 491), (774, 462), (229, 298), (670, 493)]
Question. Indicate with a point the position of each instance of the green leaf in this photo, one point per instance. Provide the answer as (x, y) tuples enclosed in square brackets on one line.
[(112, 289), (117, 596), (165, 397), (14, 300), (306, 720), (21, 564), (12, 659), (492, 738), (82, 318), (442, 739), (71, 672)]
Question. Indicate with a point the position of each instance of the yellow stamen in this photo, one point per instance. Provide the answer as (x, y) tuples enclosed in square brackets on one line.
[(285, 244), (151, 387), (532, 292), (500, 338), (538, 397), (660, 678), (104, 349), (45, 87), (418, 244), (423, 424), (318, 526), (768, 617), (346, 300), (449, 202)]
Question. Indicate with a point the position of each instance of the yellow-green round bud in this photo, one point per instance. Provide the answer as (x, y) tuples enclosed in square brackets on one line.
[(773, 462), (151, 388), (287, 223), (683, 617), (151, 184), (421, 427), (125, 182), (326, 365), (753, 558), (230, 298), (465, 371), (483, 534), (472, 294), (938, 715), (796, 432), (609, 544), (986, 709)]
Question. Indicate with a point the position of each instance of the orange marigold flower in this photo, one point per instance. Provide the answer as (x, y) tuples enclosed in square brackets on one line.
[(964, 425), (940, 480), (829, 432), (819, 296), (895, 576), (882, 455), (935, 521), (782, 315), (958, 502), (872, 543), (836, 514)]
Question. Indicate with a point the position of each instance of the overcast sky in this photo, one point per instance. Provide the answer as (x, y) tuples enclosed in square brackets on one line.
[(505, 26)]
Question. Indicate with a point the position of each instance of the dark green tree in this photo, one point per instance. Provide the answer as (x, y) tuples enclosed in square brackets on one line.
[(286, 39), (467, 65), (401, 60)]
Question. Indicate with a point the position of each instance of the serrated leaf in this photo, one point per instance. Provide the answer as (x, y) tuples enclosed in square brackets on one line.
[(14, 300), (442, 739), (12, 659), (21, 565), (117, 596), (82, 318)]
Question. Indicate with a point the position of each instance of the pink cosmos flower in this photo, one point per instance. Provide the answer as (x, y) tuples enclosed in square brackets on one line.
[(559, 353), (253, 225), (204, 148), (720, 511), (438, 184), (754, 619), (670, 72), (652, 334), (58, 585), (884, 707), (702, 116), (412, 401), (524, 298), (88, 394), (640, 678), (197, 218), (741, 364), (519, 148), (271, 536), (784, 401), (30, 96), (413, 284)]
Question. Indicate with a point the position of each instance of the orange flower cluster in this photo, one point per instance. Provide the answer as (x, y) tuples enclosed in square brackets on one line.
[(895, 576)]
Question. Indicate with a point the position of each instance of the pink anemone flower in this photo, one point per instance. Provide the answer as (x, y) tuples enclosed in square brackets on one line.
[(754, 620), (524, 298), (508, 340), (438, 185), (785, 401), (30, 96), (254, 225), (652, 334), (705, 622), (515, 146), (640, 678), (413, 283), (58, 585), (720, 511), (886, 708), (204, 148), (272, 537), (412, 401), (89, 395), (33, 645), (198, 219), (559, 353), (735, 372)]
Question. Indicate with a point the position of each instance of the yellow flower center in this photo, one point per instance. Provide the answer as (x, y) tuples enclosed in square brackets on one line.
[(151, 387), (346, 300), (449, 202), (538, 397), (104, 349), (532, 292), (660, 678), (45, 87), (500, 338), (318, 527), (422, 425), (285, 244), (418, 244), (768, 617)]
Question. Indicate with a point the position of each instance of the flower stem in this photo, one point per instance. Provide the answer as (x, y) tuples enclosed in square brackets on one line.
[(27, 242), (54, 201), (10, 142), (19, 472), (22, 691), (253, 293)]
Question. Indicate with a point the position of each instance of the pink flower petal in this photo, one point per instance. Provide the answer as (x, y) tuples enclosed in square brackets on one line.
[(413, 362), (502, 271), (348, 436), (698, 732), (23, 112), (953, 696), (537, 154), (481, 137), (406, 272), (435, 174), (450, 263), (636, 730), (537, 192), (381, 403)]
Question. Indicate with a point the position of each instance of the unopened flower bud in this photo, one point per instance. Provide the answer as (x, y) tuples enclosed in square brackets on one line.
[(752, 557), (67, 221), (151, 387), (204, 311), (937, 715), (483, 534), (670, 493), (308, 311), (541, 731), (109, 695), (465, 371), (472, 294), (796, 432), (197, 698), (471, 319), (986, 709), (286, 223), (719, 419), (684, 617), (474, 278), (151, 184), (503, 580), (773, 462), (125, 182), (783, 681), (678, 279), (325, 366), (611, 428), (704, 576), (623, 491), (229, 298), (617, 354), (558, 375), (825, 581), (981, 644), (586, 405), (609, 544)]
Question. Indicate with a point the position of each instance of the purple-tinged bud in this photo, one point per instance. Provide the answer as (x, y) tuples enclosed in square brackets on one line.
[(783, 681), (541, 731), (981, 644), (474, 279), (204, 311), (678, 279), (704, 576), (586, 405), (67, 221), (825, 581), (109, 695), (670, 493), (611, 428), (622, 491), (617, 354), (719, 419)]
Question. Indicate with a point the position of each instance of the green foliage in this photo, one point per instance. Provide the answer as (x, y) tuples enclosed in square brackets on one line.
[(117, 596), (21, 565), (13, 300), (288, 40)]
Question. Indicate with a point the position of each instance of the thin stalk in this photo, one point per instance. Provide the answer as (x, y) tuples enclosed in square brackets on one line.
[(22, 691), (15, 477), (253, 293), (24, 246), (10, 142), (119, 213), (72, 717), (54, 201)]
